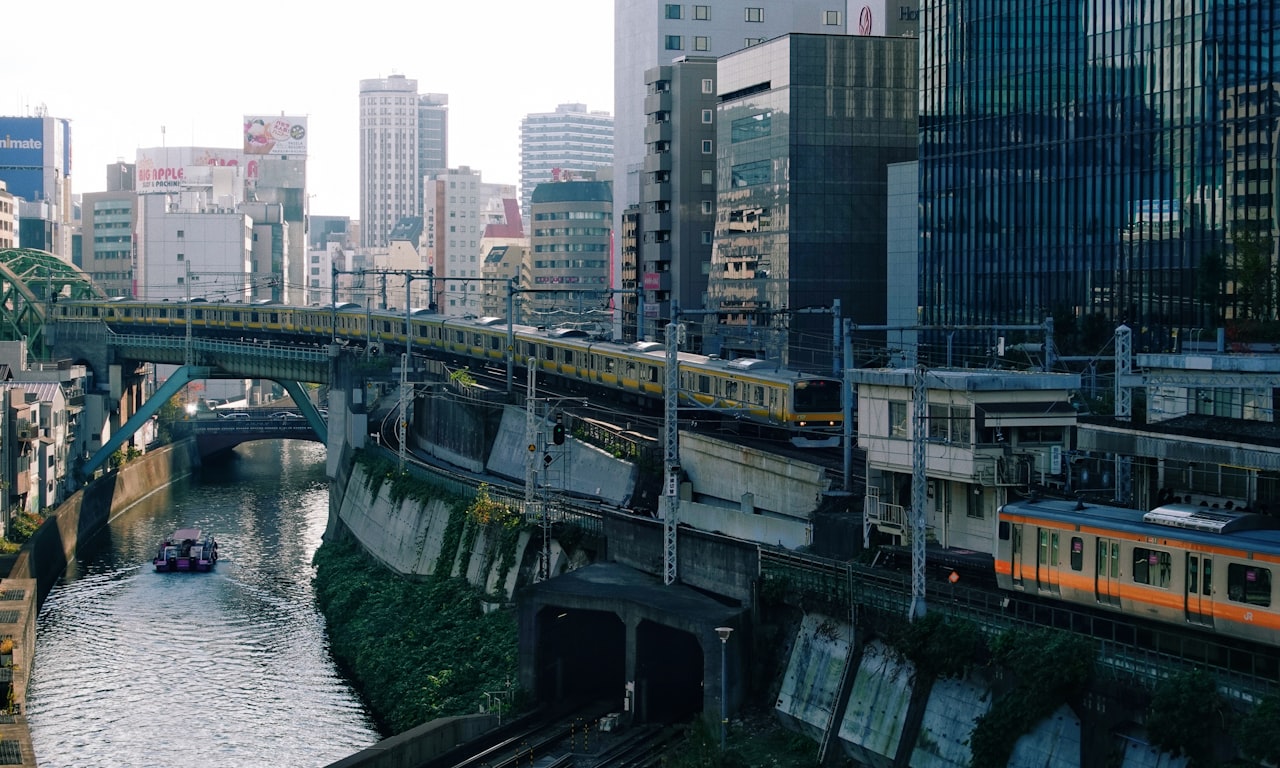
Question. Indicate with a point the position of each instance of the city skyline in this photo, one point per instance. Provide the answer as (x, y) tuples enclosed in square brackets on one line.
[(157, 87)]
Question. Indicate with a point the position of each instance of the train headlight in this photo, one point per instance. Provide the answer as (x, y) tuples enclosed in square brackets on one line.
[(803, 423)]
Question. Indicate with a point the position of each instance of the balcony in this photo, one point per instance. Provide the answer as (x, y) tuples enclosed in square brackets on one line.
[(657, 102)]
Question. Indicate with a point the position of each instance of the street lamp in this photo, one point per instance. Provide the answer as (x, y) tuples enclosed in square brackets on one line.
[(724, 633)]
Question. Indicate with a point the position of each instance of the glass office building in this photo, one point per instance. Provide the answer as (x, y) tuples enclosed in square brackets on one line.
[(806, 127), (1098, 159)]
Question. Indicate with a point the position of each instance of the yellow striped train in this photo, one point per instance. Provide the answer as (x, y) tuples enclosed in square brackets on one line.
[(806, 407)]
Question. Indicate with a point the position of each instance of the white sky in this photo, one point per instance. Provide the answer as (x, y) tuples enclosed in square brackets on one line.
[(120, 71)]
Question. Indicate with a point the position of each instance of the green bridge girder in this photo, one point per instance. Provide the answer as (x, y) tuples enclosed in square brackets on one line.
[(31, 280)]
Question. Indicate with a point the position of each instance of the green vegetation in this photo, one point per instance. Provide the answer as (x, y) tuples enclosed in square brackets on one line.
[(22, 526), (939, 646), (1050, 668), (1183, 710), (418, 650), (1259, 732)]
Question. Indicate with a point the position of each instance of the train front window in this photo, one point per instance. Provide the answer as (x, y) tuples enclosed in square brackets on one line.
[(1249, 584), (817, 396)]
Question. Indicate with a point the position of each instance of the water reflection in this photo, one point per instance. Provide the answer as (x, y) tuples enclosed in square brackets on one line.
[(229, 668)]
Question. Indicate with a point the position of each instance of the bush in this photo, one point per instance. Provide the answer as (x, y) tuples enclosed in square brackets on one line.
[(22, 526)]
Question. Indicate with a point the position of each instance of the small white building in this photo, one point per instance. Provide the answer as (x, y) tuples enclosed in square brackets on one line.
[(987, 433)]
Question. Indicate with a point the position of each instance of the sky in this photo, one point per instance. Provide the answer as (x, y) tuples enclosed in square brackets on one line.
[(143, 73)]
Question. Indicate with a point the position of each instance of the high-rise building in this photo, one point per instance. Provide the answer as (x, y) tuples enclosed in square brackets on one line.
[(806, 128), (570, 142), (35, 163), (1117, 166), (8, 218), (677, 192), (391, 152), (433, 137), (651, 33)]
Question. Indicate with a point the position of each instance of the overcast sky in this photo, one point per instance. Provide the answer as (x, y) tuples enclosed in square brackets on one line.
[(121, 71)]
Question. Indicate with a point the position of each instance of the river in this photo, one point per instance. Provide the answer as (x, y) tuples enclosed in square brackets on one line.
[(228, 668)]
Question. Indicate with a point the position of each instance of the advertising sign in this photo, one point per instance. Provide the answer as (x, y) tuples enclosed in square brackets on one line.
[(22, 156), (275, 135), (164, 169)]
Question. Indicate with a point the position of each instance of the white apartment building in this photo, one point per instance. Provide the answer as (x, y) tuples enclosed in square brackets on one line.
[(459, 207), (403, 139), (571, 142)]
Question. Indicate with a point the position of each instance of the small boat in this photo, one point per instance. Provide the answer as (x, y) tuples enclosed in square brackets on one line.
[(187, 549)]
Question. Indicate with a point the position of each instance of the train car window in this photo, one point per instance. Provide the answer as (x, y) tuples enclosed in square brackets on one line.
[(1152, 566), (254, 318), (1048, 549), (704, 384), (653, 374), (759, 395), (567, 357), (1249, 584), (631, 370), (235, 317), (1003, 530), (731, 390), (1077, 553), (459, 337)]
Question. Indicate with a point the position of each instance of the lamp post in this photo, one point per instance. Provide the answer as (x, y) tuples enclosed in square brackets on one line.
[(724, 633)]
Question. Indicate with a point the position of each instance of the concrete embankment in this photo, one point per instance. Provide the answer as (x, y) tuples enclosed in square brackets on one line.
[(33, 572), (877, 709)]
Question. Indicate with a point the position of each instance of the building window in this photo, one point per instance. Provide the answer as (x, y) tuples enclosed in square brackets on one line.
[(702, 12), (750, 174), (708, 86), (898, 418), (755, 14), (675, 43), (701, 43), (181, 234), (706, 237), (750, 41), (707, 116), (706, 208), (751, 127), (182, 256), (707, 147), (673, 10), (831, 18), (708, 177)]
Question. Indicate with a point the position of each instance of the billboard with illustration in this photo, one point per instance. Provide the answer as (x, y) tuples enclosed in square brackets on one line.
[(275, 135)]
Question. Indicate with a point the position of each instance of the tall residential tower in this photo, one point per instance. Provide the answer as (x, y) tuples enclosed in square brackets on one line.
[(567, 143), (393, 149)]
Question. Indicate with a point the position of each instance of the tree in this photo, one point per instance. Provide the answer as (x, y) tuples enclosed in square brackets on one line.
[(1254, 273)]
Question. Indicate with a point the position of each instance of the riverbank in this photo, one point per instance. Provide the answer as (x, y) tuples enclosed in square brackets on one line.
[(416, 650)]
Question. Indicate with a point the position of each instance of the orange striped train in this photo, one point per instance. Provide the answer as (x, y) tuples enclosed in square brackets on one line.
[(1181, 564)]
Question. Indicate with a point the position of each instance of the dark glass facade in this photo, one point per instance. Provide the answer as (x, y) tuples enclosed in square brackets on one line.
[(805, 130), (1104, 159)]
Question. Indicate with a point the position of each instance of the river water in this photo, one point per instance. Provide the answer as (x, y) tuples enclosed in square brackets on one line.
[(227, 668)]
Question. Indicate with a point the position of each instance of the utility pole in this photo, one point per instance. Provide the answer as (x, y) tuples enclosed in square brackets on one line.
[(670, 396), (919, 489)]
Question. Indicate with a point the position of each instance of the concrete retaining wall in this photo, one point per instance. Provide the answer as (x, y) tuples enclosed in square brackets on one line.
[(417, 746)]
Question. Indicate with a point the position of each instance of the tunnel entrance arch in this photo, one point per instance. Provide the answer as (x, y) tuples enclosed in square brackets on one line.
[(651, 649), (581, 655)]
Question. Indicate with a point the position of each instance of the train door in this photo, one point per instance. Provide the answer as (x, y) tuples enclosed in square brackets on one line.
[(1015, 554), (1047, 562), (1107, 577), (1199, 589)]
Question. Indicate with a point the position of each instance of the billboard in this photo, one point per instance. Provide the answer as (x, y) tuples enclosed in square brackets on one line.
[(275, 135), (22, 153), (164, 169)]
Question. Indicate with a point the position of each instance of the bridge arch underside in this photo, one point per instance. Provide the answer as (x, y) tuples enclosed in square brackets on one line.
[(608, 632)]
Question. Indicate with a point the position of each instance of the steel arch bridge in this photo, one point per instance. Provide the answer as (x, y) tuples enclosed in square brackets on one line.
[(31, 280)]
